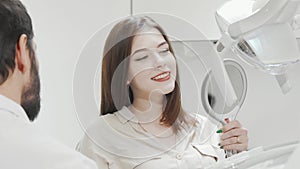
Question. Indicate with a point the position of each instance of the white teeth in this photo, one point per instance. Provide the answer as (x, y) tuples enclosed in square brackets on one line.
[(161, 76)]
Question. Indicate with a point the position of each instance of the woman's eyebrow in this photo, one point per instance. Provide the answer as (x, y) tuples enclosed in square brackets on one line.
[(139, 50), (161, 44)]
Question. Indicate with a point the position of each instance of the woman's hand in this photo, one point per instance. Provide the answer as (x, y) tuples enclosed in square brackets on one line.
[(234, 137)]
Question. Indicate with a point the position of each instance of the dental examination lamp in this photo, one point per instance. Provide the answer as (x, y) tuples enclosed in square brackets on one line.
[(261, 32)]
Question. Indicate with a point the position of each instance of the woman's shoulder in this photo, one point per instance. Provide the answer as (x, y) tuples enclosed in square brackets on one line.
[(110, 125), (104, 132), (102, 122)]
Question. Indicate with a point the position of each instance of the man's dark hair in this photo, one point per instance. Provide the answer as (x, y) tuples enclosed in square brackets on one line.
[(14, 21)]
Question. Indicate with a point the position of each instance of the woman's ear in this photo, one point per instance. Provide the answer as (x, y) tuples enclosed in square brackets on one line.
[(22, 58)]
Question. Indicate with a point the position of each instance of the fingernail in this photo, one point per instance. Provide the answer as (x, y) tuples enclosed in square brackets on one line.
[(219, 131), (227, 120)]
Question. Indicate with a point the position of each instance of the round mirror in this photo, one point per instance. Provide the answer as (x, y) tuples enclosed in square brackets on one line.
[(212, 99)]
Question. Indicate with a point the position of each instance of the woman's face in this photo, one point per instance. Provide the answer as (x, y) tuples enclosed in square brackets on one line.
[(152, 67)]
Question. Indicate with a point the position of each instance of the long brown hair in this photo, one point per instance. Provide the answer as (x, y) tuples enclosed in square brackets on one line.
[(116, 50)]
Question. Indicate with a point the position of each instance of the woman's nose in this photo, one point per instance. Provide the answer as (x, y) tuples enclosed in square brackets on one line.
[(159, 61)]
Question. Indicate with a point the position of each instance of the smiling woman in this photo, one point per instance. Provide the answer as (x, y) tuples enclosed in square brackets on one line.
[(142, 122)]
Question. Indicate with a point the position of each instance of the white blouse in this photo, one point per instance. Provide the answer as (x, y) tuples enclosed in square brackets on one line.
[(117, 141)]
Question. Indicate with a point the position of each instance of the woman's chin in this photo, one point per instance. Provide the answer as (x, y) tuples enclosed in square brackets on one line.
[(168, 89)]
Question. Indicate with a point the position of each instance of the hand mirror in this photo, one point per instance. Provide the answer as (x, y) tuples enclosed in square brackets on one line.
[(212, 100)]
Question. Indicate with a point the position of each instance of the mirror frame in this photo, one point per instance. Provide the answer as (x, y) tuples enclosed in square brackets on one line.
[(204, 93)]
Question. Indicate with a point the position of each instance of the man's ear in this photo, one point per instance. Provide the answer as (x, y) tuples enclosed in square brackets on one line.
[(22, 58)]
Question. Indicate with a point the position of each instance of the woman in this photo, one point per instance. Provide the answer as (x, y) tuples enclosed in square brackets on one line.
[(142, 123)]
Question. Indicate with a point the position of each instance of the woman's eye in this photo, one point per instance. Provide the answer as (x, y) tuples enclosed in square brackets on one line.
[(165, 51), (141, 58)]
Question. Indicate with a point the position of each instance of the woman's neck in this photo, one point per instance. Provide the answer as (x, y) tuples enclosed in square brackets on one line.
[(148, 110)]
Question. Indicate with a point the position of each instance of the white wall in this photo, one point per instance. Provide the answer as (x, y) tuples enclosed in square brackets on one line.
[(63, 27), (200, 13)]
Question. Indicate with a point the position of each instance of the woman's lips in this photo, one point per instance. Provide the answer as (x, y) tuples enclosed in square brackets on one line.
[(161, 77)]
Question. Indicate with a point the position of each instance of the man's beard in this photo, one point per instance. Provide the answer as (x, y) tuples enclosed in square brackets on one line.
[(30, 99)]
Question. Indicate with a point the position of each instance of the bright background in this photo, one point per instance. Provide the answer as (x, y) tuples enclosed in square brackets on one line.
[(62, 27)]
